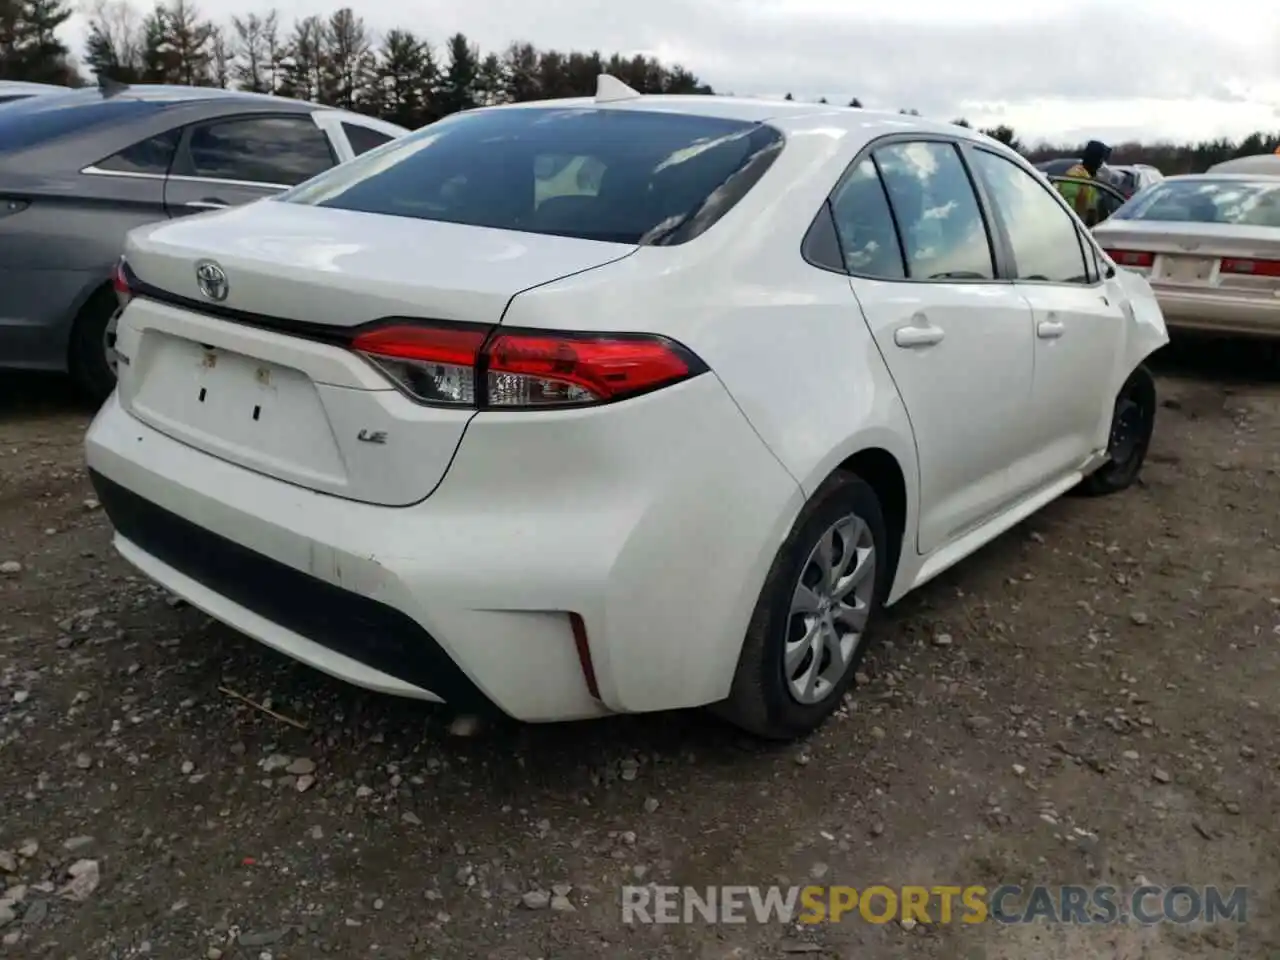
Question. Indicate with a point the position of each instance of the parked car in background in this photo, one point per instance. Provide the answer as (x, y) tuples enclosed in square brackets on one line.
[(1130, 178), (448, 421), (1210, 246), (1061, 165), (79, 169), (1108, 197), (11, 90), (1267, 164)]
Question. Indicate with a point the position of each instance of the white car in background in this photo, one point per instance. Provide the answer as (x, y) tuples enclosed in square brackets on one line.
[(1210, 246), (11, 90), (672, 436), (1130, 178)]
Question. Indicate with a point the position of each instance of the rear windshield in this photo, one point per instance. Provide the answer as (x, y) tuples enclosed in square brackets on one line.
[(623, 176), (34, 121), (1253, 203)]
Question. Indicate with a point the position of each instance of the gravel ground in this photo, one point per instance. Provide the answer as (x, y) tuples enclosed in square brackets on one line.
[(1092, 698)]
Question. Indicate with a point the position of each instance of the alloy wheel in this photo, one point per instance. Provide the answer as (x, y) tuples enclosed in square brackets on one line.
[(829, 609)]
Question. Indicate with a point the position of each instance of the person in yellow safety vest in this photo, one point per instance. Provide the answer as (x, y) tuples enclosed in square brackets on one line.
[(1083, 197)]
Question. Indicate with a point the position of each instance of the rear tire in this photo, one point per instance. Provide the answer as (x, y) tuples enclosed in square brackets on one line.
[(88, 354), (808, 633), (1132, 424)]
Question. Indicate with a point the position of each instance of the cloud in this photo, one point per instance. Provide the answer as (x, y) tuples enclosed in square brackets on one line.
[(940, 58)]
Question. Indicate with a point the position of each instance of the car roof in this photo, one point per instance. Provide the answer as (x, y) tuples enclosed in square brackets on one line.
[(175, 94), (759, 110), (26, 86), (1212, 174)]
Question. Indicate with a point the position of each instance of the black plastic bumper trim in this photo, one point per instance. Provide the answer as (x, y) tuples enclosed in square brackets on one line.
[(356, 626)]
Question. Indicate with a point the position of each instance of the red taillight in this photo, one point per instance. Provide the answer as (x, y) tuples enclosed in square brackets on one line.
[(460, 365), (1132, 258), (1252, 268), (120, 283)]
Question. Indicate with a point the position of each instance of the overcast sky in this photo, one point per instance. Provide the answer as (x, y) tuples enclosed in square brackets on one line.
[(1062, 71)]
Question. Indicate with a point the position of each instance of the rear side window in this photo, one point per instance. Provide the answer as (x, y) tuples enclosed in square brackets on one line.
[(364, 139), (269, 150), (868, 238), (37, 121), (943, 233), (153, 155), (623, 176)]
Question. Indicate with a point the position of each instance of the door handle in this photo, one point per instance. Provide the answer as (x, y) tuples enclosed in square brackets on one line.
[(1050, 329), (918, 336), (209, 204)]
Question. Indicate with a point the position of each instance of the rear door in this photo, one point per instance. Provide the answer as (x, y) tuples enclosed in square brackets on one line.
[(957, 342), (241, 158), (1079, 323)]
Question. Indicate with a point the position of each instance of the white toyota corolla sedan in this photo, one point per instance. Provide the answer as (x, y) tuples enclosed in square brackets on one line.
[(620, 404)]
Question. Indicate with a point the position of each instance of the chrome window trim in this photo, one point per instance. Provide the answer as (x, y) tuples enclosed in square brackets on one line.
[(97, 171)]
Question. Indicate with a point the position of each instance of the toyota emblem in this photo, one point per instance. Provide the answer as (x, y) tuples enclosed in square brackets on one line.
[(212, 281)]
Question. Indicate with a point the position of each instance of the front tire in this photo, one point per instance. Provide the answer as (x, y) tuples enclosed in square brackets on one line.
[(808, 632), (1132, 424), (91, 356)]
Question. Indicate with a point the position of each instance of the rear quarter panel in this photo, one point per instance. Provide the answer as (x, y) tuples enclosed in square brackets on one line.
[(787, 339), (58, 251)]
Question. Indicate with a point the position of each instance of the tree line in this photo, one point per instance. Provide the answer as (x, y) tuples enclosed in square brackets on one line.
[(400, 76)]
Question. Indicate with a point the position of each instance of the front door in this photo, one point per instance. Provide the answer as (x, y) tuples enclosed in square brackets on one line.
[(957, 343), (1079, 324), (239, 159)]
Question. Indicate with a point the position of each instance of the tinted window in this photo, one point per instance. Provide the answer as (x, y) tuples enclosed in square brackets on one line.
[(1042, 234), (152, 155), (279, 150), (868, 238), (35, 121), (937, 211), (1254, 203), (364, 139), (616, 175)]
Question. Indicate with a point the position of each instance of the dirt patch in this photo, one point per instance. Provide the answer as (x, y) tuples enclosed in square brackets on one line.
[(1105, 710)]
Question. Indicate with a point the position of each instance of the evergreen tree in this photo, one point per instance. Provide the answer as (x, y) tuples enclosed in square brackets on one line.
[(406, 74), (251, 52), (459, 85), (30, 48), (188, 42), (348, 64)]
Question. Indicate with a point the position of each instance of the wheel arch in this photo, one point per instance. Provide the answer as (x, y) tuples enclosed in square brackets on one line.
[(87, 295), (888, 465)]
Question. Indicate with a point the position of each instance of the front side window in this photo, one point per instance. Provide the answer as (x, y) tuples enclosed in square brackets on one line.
[(1042, 234), (868, 238), (621, 176), (153, 155), (943, 233), (269, 150)]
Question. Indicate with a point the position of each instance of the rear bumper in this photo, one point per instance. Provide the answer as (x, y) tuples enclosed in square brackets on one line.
[(653, 520), (1219, 312)]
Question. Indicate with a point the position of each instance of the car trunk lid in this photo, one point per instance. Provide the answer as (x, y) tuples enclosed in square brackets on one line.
[(1244, 259), (260, 374)]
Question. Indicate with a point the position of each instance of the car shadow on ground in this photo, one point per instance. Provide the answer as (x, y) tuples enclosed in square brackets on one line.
[(225, 658)]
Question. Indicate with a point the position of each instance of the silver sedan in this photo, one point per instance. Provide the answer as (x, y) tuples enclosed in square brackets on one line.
[(1209, 244)]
